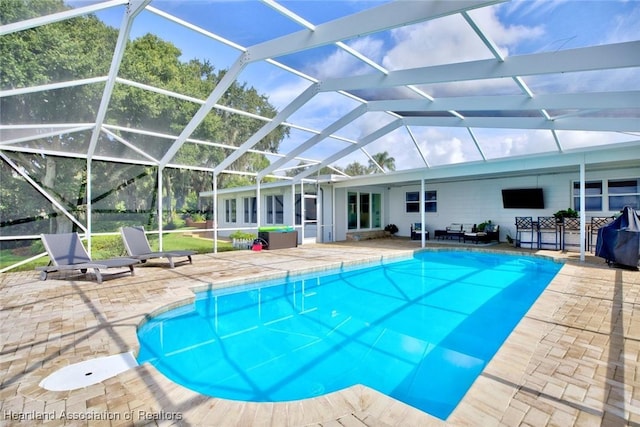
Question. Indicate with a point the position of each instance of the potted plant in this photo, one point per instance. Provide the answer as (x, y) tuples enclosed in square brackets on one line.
[(391, 229), (510, 240), (565, 213), (483, 225)]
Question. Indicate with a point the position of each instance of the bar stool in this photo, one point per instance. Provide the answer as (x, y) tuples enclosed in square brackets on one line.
[(524, 224), (570, 226), (548, 225)]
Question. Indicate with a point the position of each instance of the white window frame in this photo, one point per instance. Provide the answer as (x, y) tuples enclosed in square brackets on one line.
[(427, 202), (575, 197), (635, 194), (358, 213), (250, 209), (230, 211), (274, 216)]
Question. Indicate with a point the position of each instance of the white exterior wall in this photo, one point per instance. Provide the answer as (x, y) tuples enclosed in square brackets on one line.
[(288, 213), (341, 214), (325, 220), (341, 207), (469, 201), (475, 201)]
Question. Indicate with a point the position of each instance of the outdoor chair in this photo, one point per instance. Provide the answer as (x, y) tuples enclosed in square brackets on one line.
[(570, 227), (137, 246), (416, 232), (524, 226), (66, 252), (548, 225)]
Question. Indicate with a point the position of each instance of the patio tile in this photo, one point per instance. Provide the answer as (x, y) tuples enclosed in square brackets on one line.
[(574, 359)]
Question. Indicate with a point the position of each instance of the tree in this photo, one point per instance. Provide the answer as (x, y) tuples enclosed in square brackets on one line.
[(66, 51), (356, 168), (383, 160)]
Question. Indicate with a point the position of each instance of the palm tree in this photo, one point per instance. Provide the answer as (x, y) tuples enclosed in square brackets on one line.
[(355, 169), (383, 159)]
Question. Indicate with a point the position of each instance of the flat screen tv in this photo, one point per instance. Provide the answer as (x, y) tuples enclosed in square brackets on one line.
[(523, 198)]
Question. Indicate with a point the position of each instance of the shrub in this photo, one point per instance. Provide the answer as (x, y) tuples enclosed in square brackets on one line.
[(391, 228), (241, 235)]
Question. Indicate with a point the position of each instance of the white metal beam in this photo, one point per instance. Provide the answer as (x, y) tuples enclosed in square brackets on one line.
[(417, 146), (133, 9), (377, 19), (389, 127), (607, 154), (604, 57), (60, 16), (71, 129), (338, 124), (293, 106), (42, 191), (222, 86), (51, 86), (563, 101), (605, 124)]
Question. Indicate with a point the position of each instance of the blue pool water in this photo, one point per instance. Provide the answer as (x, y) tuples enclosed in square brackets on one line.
[(420, 330)]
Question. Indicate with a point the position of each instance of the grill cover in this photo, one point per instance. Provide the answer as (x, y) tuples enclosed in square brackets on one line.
[(619, 241)]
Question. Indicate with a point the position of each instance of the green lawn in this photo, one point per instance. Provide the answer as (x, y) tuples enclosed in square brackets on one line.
[(111, 246)]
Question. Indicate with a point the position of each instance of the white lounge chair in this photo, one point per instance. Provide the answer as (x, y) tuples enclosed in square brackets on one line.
[(137, 245), (67, 252)]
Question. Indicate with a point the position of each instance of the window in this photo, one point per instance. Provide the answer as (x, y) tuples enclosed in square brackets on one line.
[(275, 210), (250, 205), (376, 210), (364, 210), (352, 211), (365, 217), (230, 210), (624, 192), (593, 195), (431, 201), (412, 201), (618, 193)]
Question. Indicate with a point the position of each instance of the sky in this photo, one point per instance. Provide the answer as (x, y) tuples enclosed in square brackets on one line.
[(516, 28)]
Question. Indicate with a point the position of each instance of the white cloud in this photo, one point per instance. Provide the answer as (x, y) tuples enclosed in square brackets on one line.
[(341, 63), (432, 43), (441, 147), (504, 35), (624, 26), (451, 39)]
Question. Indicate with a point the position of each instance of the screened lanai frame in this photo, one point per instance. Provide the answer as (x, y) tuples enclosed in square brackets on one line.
[(411, 101)]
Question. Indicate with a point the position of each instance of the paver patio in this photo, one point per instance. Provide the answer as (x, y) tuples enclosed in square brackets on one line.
[(573, 359)]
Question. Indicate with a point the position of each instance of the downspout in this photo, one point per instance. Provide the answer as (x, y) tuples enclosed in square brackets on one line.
[(215, 213), (258, 205), (320, 214), (160, 200), (333, 213), (293, 204), (583, 214), (422, 216), (89, 206)]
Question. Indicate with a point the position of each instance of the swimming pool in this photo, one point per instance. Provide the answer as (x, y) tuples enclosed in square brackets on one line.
[(419, 330)]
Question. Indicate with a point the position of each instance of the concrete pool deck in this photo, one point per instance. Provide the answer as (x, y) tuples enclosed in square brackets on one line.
[(574, 359)]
